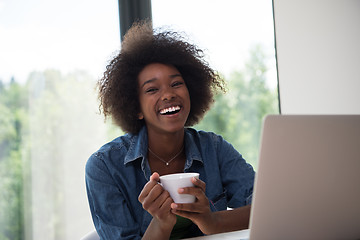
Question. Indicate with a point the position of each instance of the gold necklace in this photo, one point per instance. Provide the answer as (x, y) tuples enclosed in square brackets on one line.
[(166, 162)]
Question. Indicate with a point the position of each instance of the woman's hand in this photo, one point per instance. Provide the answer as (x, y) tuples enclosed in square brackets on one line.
[(199, 212), (157, 202)]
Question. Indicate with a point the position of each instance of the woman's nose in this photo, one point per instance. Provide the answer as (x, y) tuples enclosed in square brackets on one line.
[(167, 94)]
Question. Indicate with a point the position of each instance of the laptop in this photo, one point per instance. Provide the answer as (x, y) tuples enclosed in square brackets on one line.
[(308, 181)]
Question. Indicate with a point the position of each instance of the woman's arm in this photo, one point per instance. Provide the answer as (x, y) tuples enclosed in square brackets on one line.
[(113, 219), (231, 220), (157, 202)]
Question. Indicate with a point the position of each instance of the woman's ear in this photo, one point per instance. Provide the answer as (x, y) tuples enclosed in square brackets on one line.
[(140, 116)]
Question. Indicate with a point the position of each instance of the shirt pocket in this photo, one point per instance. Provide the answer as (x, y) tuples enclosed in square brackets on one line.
[(219, 202)]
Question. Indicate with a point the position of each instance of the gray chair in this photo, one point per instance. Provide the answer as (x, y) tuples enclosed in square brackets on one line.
[(91, 236)]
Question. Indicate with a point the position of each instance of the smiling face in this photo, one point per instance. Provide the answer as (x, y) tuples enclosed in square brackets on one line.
[(164, 98)]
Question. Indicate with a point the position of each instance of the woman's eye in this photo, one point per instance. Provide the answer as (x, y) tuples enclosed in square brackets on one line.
[(175, 84), (151, 90)]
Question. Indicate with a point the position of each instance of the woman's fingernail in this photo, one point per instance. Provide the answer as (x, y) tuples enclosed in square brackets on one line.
[(181, 190), (173, 205)]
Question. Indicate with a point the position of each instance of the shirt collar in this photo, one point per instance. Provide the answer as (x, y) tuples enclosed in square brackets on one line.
[(192, 150), (138, 146)]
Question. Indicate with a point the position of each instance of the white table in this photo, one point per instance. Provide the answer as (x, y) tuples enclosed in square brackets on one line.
[(236, 235)]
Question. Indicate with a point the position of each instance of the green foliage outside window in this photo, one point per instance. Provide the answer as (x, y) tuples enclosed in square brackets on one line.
[(238, 115), (13, 117)]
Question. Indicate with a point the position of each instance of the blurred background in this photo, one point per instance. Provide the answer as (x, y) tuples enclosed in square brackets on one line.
[(51, 55)]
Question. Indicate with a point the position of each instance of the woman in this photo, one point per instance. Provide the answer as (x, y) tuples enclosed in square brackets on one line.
[(154, 89)]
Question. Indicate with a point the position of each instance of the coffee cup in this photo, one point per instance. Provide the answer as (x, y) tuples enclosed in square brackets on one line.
[(172, 183)]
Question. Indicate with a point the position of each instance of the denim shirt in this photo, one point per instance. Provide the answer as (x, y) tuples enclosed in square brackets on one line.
[(118, 171)]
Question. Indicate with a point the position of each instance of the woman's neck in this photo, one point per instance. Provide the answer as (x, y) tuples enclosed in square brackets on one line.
[(166, 145), (166, 153)]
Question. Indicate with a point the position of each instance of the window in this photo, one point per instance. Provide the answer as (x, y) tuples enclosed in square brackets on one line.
[(52, 52)]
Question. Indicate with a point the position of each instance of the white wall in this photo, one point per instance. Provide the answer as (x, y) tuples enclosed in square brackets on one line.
[(318, 56)]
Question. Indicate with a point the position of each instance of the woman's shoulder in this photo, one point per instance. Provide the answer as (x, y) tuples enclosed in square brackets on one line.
[(117, 143), (202, 135), (210, 140), (110, 155), (116, 147)]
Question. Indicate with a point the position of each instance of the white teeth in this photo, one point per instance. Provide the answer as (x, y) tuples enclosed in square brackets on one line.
[(170, 109)]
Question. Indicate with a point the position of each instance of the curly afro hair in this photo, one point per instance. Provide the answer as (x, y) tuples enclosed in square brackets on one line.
[(118, 88)]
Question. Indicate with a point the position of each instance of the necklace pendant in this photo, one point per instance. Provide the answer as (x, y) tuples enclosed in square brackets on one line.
[(167, 164)]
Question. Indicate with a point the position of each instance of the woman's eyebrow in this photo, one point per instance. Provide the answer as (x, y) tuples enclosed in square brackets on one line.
[(148, 81), (175, 75)]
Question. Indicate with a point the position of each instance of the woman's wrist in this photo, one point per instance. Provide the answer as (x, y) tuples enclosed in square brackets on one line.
[(212, 225), (229, 220), (158, 229)]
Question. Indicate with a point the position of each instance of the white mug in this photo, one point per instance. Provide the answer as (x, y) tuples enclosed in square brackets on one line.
[(172, 182)]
